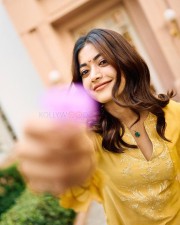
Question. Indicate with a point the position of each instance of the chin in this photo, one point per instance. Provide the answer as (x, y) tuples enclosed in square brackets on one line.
[(103, 99)]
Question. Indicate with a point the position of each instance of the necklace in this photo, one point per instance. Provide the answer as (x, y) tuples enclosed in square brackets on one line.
[(137, 133)]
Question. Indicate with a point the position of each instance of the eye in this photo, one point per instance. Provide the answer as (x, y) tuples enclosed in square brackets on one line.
[(84, 72), (103, 62)]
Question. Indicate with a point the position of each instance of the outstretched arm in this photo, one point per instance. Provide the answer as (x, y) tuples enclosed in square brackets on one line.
[(54, 157)]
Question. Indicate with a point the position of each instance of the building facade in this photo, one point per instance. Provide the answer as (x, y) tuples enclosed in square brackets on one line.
[(49, 28)]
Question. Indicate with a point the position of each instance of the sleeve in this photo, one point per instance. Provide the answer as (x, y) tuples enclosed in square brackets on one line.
[(178, 139), (177, 122), (172, 113), (80, 197), (178, 142)]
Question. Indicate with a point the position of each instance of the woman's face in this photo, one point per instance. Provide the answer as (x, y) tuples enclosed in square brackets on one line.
[(98, 76)]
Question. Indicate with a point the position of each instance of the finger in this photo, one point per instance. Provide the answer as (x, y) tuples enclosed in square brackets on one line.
[(39, 170), (38, 128), (51, 131), (32, 150), (43, 186)]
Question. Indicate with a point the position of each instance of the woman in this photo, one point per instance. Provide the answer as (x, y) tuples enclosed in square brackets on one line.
[(131, 161)]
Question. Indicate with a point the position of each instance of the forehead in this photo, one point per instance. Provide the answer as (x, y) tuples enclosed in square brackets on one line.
[(87, 53)]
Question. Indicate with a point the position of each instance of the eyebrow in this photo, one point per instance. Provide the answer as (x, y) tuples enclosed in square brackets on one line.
[(95, 57)]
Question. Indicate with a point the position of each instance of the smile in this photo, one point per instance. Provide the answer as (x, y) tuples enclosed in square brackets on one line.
[(101, 86)]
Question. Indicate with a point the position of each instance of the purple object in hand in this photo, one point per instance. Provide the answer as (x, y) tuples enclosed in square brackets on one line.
[(69, 104)]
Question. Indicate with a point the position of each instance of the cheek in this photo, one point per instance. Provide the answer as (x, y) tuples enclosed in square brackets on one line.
[(86, 84)]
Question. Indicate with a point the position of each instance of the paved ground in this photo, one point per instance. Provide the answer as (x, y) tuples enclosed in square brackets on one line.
[(96, 215)]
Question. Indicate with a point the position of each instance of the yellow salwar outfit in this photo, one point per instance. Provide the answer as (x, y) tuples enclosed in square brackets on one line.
[(135, 191)]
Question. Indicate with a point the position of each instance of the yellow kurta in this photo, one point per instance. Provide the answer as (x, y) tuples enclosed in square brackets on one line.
[(135, 191)]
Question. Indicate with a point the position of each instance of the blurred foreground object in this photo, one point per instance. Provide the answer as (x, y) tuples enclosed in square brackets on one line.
[(57, 151), (69, 104), (54, 77)]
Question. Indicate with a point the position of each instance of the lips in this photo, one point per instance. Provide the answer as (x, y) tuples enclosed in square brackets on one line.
[(100, 86)]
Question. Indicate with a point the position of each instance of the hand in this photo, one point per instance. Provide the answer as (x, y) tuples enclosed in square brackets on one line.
[(55, 156)]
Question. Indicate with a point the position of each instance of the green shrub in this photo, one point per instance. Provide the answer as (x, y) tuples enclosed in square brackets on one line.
[(19, 206), (11, 187), (31, 209)]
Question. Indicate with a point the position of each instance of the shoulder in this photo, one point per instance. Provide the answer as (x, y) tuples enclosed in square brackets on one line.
[(172, 110), (172, 117)]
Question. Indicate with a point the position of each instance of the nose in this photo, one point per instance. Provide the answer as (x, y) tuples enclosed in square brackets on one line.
[(96, 75)]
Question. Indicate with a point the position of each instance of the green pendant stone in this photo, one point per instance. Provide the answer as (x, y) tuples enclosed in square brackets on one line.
[(137, 134)]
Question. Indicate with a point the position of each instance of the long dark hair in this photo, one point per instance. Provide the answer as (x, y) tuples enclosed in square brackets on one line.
[(137, 94)]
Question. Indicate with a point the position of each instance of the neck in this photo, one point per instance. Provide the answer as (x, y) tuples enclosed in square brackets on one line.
[(125, 115), (121, 113)]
